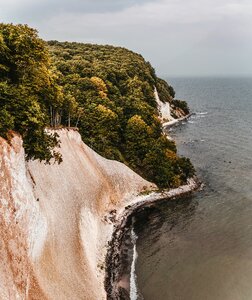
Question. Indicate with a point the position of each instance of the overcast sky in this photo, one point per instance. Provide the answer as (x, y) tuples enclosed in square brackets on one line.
[(179, 37)]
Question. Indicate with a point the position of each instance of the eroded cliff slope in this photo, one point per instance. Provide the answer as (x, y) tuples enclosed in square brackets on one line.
[(55, 220)]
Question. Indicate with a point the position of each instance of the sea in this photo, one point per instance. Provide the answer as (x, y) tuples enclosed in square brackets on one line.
[(200, 247)]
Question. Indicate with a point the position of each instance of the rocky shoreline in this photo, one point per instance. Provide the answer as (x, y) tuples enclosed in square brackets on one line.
[(115, 286), (176, 121)]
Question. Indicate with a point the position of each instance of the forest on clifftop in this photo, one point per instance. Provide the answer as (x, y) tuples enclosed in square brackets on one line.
[(105, 91)]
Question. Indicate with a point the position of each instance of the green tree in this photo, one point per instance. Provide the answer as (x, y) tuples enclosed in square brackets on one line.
[(114, 90), (137, 141), (100, 127), (27, 85)]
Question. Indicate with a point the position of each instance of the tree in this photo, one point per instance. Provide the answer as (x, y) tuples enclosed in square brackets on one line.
[(137, 140), (6, 121), (100, 128), (27, 86), (101, 86), (114, 90), (71, 107)]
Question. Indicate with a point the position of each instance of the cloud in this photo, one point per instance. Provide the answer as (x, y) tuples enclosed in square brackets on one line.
[(41, 9), (177, 36)]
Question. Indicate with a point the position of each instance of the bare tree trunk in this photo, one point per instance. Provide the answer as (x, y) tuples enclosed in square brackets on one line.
[(69, 120), (60, 116), (53, 118), (57, 118), (76, 125), (51, 115)]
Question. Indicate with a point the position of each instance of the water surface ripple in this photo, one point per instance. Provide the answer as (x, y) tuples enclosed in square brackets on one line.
[(201, 248)]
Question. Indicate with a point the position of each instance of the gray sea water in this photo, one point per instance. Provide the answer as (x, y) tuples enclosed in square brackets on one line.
[(200, 248)]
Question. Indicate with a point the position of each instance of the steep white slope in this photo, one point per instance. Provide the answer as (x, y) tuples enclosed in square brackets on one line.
[(20, 218), (165, 112), (164, 108), (54, 224)]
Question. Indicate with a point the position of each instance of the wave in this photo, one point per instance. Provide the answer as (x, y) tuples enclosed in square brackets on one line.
[(201, 113), (198, 115)]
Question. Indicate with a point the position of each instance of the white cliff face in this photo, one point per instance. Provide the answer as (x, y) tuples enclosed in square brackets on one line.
[(20, 218), (53, 229), (164, 108), (165, 112)]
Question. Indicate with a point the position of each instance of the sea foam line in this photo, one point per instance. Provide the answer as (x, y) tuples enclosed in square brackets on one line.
[(202, 113), (133, 277)]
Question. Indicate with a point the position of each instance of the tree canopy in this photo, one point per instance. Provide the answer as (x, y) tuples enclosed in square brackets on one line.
[(115, 89), (27, 86), (106, 91)]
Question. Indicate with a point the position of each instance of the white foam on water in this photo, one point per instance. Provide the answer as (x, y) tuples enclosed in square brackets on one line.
[(198, 115), (202, 113), (133, 277)]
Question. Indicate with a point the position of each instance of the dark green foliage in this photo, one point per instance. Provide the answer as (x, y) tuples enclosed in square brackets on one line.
[(105, 91), (114, 87), (165, 91), (26, 87), (154, 157), (6, 121), (100, 130), (181, 104), (185, 167)]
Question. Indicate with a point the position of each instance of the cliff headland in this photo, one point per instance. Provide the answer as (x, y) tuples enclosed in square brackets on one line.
[(66, 194)]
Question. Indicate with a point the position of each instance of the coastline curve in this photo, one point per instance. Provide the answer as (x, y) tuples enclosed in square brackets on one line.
[(122, 224)]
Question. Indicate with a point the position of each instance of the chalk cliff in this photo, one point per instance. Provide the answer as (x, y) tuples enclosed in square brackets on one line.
[(164, 109), (56, 220)]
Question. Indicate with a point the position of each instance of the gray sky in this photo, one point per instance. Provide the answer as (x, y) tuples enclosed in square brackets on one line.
[(179, 37)]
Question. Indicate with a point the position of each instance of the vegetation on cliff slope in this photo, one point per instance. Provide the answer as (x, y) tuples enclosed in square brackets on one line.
[(107, 92), (27, 88)]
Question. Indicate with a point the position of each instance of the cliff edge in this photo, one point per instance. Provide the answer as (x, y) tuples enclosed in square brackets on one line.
[(56, 220)]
